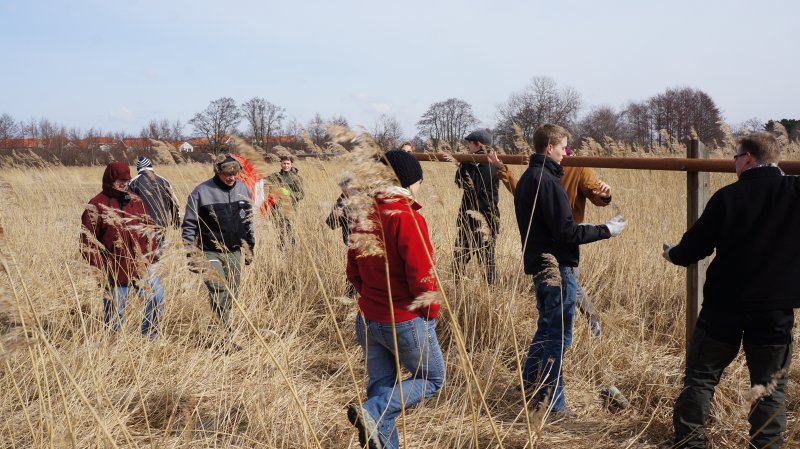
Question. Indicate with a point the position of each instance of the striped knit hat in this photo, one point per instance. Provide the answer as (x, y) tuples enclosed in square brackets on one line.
[(143, 162)]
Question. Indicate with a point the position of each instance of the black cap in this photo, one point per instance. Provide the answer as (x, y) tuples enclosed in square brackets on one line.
[(405, 166), (479, 136)]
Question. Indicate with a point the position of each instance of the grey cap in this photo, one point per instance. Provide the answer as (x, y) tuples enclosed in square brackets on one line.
[(480, 136)]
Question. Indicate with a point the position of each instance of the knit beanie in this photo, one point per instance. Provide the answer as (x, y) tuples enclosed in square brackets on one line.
[(479, 136), (405, 166), (143, 162)]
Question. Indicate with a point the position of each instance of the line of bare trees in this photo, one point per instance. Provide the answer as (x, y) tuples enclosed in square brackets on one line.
[(443, 125)]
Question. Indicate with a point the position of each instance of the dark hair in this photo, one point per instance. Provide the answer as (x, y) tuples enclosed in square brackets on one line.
[(764, 147), (287, 158)]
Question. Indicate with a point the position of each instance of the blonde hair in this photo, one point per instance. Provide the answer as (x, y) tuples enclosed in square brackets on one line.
[(548, 134), (763, 146)]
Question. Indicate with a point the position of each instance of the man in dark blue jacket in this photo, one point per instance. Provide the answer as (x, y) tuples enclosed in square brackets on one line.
[(550, 239), (478, 217), (158, 196), (749, 294)]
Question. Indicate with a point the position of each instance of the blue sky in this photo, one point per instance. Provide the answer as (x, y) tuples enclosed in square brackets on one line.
[(115, 65)]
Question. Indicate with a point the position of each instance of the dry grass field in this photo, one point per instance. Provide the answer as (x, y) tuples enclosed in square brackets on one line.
[(66, 382)]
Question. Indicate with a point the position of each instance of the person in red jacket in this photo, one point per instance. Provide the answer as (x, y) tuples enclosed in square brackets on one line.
[(118, 238), (398, 309)]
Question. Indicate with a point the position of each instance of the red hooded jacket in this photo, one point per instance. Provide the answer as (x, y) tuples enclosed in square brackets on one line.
[(116, 233), (403, 234)]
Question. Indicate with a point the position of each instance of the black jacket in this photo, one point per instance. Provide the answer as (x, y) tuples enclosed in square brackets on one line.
[(344, 222), (480, 183), (219, 217), (753, 225), (552, 229)]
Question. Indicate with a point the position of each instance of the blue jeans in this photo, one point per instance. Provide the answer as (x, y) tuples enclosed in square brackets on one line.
[(556, 307), (114, 303), (419, 352)]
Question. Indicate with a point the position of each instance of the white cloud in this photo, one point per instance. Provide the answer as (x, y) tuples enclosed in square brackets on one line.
[(371, 104), (122, 114)]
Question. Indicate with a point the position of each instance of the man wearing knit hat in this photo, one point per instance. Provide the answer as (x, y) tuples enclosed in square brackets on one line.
[(479, 216), (402, 303), (218, 219), (158, 196), (114, 239)]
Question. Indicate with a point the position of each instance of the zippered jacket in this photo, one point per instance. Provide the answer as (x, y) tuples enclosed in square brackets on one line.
[(219, 217), (403, 235)]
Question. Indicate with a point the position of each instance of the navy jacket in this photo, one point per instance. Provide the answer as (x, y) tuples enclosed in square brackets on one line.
[(552, 230), (753, 225)]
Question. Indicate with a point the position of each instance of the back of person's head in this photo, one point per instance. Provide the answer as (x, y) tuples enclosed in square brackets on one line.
[(226, 164), (763, 146), (406, 167), (546, 135), (143, 162)]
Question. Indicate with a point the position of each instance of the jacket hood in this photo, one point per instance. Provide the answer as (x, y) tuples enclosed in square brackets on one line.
[(115, 171)]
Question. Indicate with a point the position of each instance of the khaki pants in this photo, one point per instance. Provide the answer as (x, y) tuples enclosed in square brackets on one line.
[(223, 287)]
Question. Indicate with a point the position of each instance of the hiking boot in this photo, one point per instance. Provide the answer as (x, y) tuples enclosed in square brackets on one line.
[(613, 398), (563, 414), (367, 429)]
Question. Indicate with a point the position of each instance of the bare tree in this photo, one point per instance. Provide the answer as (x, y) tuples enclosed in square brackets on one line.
[(176, 130), (339, 120), (217, 122), (316, 130), (751, 125), (538, 103), (447, 121), (601, 122), (8, 127), (263, 117), (157, 129), (680, 110), (638, 122), (387, 132)]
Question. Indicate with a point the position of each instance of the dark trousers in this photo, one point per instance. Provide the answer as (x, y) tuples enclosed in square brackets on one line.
[(767, 341), (472, 241)]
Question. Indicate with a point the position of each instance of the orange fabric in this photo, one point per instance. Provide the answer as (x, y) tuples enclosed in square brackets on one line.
[(579, 183)]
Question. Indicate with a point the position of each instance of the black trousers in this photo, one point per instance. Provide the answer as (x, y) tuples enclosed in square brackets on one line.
[(469, 241), (767, 340)]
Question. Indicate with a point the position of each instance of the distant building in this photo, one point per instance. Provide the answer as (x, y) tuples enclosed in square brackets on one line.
[(186, 147), (20, 144)]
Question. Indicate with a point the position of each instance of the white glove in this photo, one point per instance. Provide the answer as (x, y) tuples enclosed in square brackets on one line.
[(666, 247), (617, 224)]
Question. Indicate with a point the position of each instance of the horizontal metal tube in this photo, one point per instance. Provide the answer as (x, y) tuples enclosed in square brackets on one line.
[(628, 163)]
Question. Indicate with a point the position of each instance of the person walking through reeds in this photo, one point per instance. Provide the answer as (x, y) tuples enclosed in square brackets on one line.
[(549, 232), (117, 237), (290, 183), (479, 215), (390, 264), (219, 222), (158, 196)]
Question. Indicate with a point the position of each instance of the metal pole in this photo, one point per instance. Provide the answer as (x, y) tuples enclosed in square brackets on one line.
[(628, 163)]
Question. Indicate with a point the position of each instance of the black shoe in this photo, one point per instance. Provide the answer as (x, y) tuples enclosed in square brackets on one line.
[(358, 417)]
